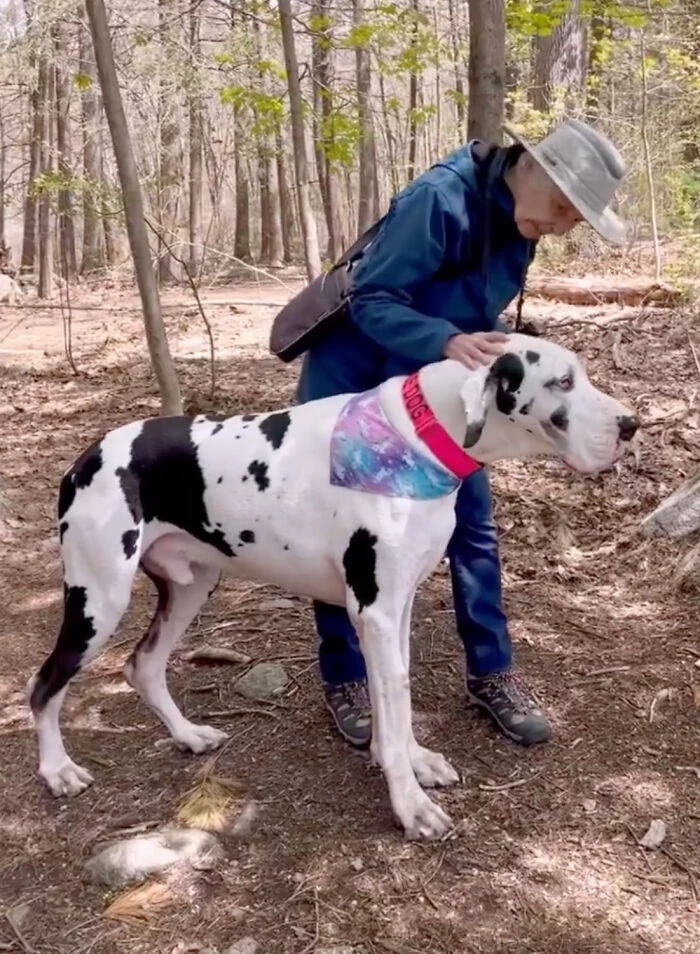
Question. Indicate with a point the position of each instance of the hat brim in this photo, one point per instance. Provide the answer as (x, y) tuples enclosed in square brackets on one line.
[(606, 223)]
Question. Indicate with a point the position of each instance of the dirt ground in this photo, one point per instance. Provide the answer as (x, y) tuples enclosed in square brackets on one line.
[(545, 858)]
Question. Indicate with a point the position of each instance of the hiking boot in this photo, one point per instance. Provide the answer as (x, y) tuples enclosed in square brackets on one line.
[(349, 705), (511, 706)]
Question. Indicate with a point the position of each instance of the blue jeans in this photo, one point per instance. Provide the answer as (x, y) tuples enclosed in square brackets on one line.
[(476, 588)]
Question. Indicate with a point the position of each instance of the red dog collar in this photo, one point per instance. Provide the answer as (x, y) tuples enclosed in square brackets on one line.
[(432, 433)]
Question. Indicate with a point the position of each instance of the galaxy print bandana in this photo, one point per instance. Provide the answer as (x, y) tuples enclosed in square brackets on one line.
[(368, 454)]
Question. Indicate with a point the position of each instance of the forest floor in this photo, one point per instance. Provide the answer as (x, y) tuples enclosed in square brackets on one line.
[(545, 857)]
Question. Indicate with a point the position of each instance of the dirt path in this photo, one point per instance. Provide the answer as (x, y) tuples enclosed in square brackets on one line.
[(544, 860)]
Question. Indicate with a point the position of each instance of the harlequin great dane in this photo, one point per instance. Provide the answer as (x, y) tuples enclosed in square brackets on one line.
[(349, 500)]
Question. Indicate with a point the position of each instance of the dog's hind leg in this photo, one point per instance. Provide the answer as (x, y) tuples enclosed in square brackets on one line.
[(92, 608), (178, 604)]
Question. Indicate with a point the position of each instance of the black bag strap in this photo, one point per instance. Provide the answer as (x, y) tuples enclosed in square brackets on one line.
[(360, 244)]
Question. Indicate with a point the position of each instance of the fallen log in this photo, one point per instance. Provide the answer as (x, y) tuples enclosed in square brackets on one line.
[(596, 290), (679, 514)]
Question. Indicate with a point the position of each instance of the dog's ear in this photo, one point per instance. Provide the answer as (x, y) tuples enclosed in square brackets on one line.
[(500, 381)]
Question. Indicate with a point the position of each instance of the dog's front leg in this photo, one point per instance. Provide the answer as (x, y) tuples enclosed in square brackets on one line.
[(430, 768), (379, 629)]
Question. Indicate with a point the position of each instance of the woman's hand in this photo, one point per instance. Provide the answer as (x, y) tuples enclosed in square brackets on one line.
[(478, 348)]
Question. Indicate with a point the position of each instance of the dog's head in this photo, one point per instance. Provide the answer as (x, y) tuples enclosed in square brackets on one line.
[(535, 399)]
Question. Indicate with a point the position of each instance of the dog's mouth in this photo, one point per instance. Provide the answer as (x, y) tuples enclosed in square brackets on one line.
[(576, 467)]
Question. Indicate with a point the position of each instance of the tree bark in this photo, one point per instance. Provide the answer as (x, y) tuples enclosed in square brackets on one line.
[(286, 200), (679, 514), (560, 62), (322, 73), (169, 169), (93, 255), (271, 248), (163, 367), (454, 7), (66, 228), (46, 97), (487, 67), (306, 215), (413, 103), (29, 237), (196, 137)]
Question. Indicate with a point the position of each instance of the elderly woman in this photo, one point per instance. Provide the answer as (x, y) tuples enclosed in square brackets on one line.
[(450, 255)]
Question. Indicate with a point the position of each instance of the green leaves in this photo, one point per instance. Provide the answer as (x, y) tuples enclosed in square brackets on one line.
[(82, 81)]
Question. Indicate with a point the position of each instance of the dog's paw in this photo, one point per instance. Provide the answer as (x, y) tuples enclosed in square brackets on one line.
[(199, 738), (423, 819), (70, 779), (431, 768)]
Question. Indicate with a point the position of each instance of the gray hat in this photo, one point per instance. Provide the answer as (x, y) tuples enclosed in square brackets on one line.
[(587, 168)]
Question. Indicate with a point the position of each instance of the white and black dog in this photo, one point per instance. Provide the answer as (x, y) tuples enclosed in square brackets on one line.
[(279, 498)]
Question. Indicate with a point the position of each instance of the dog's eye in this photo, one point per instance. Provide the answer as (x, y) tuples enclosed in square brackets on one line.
[(566, 383)]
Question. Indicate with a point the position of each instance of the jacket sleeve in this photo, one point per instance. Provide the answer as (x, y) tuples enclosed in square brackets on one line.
[(408, 252)]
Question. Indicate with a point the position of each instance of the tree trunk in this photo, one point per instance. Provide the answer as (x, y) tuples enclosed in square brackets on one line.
[(560, 62), (93, 257), (46, 97), (367, 212), (487, 55), (306, 215), (29, 237), (454, 7), (413, 103), (286, 200), (395, 182), (679, 514), (3, 156), (169, 158), (599, 33), (271, 248), (322, 73), (196, 136), (66, 228), (163, 367), (594, 290)]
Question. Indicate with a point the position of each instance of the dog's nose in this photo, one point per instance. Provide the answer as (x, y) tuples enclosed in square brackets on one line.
[(627, 426)]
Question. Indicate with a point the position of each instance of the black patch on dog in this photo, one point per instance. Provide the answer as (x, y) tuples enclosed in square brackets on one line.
[(258, 470), (80, 475), (286, 546), (532, 357), (219, 427), (526, 408), (129, 541), (507, 372), (62, 529), (220, 480), (76, 632), (274, 427), (247, 536), (129, 484), (249, 417), (165, 482), (560, 419), (360, 563)]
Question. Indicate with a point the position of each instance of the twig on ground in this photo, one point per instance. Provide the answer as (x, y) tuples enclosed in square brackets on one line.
[(688, 768), (506, 785), (224, 713), (317, 928)]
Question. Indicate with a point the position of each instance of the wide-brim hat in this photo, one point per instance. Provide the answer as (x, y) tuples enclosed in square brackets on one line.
[(587, 167)]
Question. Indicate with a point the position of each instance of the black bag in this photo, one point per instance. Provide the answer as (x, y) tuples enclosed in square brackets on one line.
[(305, 318)]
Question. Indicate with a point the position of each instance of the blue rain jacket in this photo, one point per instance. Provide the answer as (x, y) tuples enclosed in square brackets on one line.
[(448, 259)]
